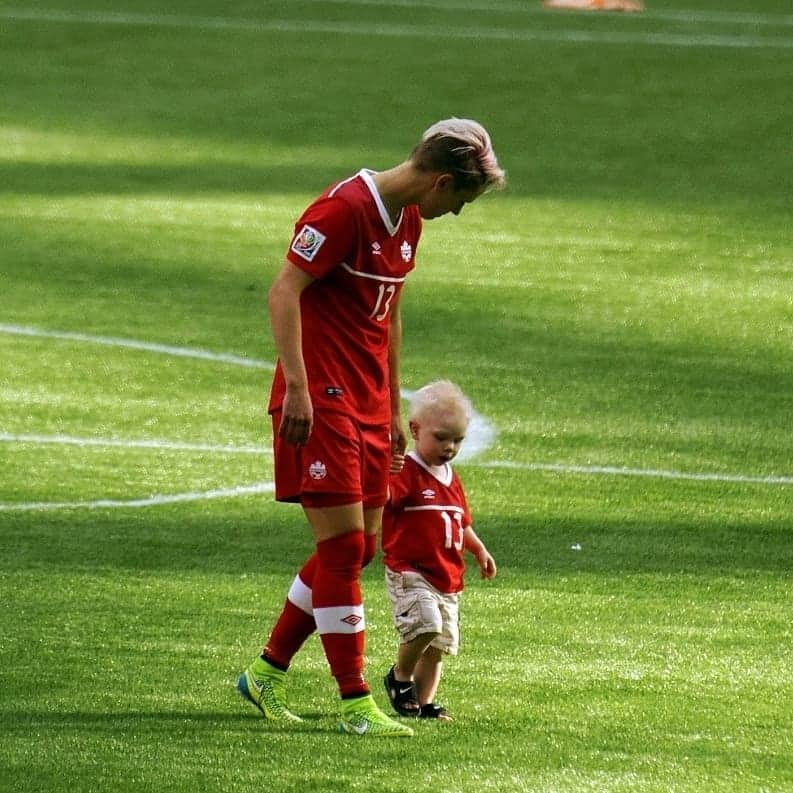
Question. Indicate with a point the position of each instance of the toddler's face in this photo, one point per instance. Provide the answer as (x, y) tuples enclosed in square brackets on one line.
[(439, 435)]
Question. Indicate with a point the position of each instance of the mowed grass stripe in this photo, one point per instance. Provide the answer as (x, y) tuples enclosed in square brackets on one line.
[(716, 17), (482, 432), (309, 26)]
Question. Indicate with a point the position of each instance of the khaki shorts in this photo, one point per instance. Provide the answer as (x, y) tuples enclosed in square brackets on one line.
[(420, 608)]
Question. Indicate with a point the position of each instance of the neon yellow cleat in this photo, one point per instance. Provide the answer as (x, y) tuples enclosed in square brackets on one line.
[(264, 687), (361, 716)]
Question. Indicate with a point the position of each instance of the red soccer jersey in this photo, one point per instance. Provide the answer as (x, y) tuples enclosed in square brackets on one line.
[(423, 524), (359, 259)]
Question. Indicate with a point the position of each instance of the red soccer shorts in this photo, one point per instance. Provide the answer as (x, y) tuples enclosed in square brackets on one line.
[(343, 462)]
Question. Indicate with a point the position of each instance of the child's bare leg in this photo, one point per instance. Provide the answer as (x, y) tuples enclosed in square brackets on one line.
[(410, 654), (399, 680), (427, 674)]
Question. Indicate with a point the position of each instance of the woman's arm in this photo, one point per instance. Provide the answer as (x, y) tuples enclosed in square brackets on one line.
[(284, 302)]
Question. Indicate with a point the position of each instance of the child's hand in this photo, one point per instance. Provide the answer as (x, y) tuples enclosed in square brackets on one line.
[(397, 462), (487, 564)]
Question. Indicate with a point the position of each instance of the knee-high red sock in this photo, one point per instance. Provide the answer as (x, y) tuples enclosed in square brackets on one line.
[(338, 609), (296, 622)]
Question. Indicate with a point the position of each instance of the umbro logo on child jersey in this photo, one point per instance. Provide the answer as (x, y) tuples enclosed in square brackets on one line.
[(428, 493), (376, 249)]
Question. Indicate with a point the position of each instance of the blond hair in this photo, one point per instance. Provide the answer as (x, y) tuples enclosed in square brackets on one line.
[(461, 147), (441, 396)]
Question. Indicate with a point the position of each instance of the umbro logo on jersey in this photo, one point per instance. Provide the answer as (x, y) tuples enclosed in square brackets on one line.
[(428, 493), (377, 248), (307, 242), (317, 470), (407, 251)]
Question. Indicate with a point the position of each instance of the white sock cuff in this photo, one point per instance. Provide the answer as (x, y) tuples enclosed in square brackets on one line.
[(300, 595)]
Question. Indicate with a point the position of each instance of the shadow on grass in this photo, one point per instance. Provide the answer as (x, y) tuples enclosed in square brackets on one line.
[(184, 542), (151, 721), (83, 179)]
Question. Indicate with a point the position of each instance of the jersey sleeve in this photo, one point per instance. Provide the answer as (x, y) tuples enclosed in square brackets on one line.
[(324, 237)]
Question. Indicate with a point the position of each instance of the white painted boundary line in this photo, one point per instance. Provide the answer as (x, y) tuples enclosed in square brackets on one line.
[(480, 437), (480, 432), (306, 26), (68, 440), (165, 349), (151, 501), (609, 470)]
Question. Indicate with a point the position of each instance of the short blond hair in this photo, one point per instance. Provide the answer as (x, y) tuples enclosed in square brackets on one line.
[(461, 147), (440, 396)]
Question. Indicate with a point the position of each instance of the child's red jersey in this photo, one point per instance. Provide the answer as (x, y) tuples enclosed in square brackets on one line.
[(423, 524), (359, 259)]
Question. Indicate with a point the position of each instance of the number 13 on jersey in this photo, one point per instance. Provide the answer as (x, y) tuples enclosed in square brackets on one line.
[(453, 525), (385, 294)]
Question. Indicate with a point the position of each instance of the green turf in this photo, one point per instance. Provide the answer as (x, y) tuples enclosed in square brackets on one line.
[(625, 304)]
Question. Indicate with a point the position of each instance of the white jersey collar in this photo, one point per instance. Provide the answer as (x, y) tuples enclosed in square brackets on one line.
[(443, 473), (366, 174)]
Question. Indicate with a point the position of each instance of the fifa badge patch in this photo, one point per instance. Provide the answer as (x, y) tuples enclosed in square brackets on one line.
[(307, 242), (407, 251)]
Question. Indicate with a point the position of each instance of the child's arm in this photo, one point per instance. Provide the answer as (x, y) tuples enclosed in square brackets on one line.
[(475, 546)]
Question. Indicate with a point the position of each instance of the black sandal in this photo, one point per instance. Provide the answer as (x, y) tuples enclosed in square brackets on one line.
[(402, 695), (433, 711)]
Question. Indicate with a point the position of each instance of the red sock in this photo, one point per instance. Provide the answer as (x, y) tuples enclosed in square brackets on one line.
[(338, 609), (296, 622)]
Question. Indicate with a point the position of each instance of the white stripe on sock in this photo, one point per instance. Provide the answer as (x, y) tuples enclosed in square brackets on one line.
[(340, 619), (300, 595)]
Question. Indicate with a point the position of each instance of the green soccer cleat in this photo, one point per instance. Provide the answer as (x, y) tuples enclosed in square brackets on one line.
[(264, 687), (361, 716)]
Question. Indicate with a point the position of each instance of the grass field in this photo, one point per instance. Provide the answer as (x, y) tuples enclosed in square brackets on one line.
[(622, 316)]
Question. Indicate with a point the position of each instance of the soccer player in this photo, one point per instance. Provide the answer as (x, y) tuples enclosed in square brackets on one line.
[(426, 528), (334, 311)]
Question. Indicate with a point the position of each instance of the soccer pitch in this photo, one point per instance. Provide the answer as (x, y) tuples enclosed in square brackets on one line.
[(621, 317)]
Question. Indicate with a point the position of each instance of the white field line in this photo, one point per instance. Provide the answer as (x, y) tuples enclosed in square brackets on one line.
[(151, 501), (480, 432), (481, 436), (610, 470), (165, 349), (603, 470), (69, 440), (306, 26)]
